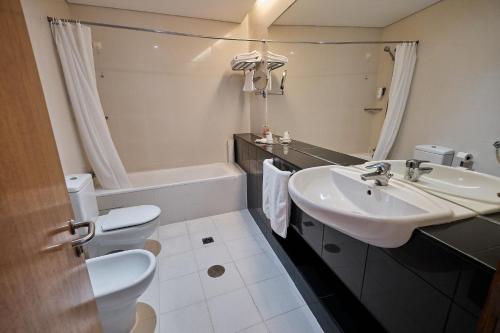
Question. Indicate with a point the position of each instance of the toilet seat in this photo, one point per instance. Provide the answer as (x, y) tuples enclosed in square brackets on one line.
[(120, 218)]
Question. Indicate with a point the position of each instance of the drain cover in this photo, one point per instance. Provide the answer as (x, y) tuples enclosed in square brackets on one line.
[(207, 240), (215, 271)]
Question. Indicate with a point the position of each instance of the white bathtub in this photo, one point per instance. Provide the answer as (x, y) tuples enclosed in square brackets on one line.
[(182, 193)]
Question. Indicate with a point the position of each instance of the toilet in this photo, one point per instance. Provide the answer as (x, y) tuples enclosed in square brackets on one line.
[(434, 154), (118, 230), (118, 280)]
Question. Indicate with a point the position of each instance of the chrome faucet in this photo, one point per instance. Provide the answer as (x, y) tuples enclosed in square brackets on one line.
[(381, 176), (414, 170)]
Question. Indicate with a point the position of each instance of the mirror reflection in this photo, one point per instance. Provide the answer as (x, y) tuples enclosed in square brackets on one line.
[(384, 99)]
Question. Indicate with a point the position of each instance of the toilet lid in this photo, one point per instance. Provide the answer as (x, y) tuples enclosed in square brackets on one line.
[(128, 217)]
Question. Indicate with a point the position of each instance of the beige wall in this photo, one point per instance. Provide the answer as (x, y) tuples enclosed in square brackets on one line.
[(174, 105), (68, 144), (327, 87), (455, 94)]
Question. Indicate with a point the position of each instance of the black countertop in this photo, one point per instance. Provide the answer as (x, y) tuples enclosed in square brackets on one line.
[(478, 237)]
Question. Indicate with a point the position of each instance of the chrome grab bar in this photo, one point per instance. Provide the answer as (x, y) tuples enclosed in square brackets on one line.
[(77, 243)]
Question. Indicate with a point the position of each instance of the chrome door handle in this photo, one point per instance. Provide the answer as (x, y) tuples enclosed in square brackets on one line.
[(77, 243)]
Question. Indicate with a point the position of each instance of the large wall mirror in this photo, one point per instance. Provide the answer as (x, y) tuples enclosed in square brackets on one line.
[(337, 95)]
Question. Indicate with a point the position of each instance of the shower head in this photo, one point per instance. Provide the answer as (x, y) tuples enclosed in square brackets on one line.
[(388, 50)]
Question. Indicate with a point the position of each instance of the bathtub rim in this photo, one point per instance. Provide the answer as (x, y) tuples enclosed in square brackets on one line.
[(99, 192)]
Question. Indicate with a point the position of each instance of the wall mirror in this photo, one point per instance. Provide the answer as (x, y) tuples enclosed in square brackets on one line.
[(338, 94)]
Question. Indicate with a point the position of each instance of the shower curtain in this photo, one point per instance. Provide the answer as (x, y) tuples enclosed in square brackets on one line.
[(74, 45), (404, 65)]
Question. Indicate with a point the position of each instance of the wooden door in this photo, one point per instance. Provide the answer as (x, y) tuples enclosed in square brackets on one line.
[(44, 286)]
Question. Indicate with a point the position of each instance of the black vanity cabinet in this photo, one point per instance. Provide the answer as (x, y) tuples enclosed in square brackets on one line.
[(310, 229), (350, 286), (345, 256), (399, 299)]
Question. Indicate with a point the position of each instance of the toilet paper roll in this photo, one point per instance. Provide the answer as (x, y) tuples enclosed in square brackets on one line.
[(462, 159)]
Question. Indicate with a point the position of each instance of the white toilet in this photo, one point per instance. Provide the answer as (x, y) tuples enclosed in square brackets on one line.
[(120, 229), (118, 280)]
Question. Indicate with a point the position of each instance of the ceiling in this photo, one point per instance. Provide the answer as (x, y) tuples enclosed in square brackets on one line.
[(221, 10), (357, 13)]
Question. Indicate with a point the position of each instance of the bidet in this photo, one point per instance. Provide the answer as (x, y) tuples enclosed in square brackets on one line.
[(118, 280)]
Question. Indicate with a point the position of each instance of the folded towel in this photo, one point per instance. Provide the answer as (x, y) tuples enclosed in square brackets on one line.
[(249, 86), (275, 198), (254, 55), (269, 56)]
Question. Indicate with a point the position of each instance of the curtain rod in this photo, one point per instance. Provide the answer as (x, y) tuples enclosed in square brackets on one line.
[(185, 34)]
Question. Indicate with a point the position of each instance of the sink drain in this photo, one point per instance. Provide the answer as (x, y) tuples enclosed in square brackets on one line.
[(215, 271)]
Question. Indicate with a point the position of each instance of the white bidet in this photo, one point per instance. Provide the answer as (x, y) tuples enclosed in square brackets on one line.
[(118, 280)]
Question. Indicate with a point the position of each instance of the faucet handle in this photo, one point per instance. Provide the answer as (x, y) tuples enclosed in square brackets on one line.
[(382, 167), (414, 163)]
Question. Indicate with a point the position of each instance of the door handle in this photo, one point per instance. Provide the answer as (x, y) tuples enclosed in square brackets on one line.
[(78, 242)]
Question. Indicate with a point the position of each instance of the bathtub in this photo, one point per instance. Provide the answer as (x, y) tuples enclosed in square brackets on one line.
[(182, 193)]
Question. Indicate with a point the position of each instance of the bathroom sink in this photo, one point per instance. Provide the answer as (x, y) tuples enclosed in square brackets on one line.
[(477, 191), (383, 216)]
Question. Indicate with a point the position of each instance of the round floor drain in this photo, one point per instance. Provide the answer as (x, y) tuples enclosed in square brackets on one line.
[(215, 271)]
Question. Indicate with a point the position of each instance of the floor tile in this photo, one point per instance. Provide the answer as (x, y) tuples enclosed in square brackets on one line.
[(177, 265), (275, 296), (192, 319), (229, 281), (233, 218), (243, 247), (236, 231), (213, 255), (297, 321), (233, 312), (257, 268), (176, 245), (180, 292), (259, 328), (203, 224), (274, 258), (172, 230)]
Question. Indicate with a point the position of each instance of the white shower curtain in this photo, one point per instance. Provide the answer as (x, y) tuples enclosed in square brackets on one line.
[(404, 65), (74, 45)]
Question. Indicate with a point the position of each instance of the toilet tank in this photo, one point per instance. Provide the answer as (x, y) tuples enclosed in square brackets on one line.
[(82, 196), (435, 154)]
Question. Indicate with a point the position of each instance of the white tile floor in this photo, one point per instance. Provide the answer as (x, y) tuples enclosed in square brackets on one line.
[(255, 294)]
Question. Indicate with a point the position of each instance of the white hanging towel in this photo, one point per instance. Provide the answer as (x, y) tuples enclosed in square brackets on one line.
[(249, 86), (275, 198)]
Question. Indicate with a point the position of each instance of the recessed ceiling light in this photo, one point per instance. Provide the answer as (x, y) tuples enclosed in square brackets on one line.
[(156, 46)]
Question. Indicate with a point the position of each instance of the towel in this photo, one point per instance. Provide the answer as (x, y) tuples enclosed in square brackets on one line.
[(254, 55), (269, 81), (249, 86), (275, 198), (269, 56)]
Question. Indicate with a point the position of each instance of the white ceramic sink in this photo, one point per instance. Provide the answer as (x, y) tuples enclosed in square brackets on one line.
[(477, 191), (379, 215)]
